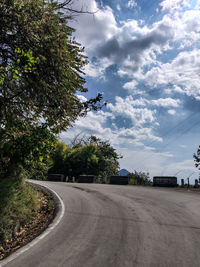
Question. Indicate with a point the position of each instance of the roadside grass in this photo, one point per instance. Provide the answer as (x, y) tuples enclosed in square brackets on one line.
[(18, 203), (25, 211)]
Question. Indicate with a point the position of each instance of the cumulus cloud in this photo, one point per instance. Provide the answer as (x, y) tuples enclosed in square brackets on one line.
[(140, 52), (97, 124), (104, 124), (95, 28), (127, 48), (182, 72), (118, 7), (96, 68), (178, 89), (91, 30), (142, 121), (174, 4), (92, 124), (160, 102), (127, 108), (132, 45), (82, 98), (139, 134), (128, 44), (172, 111), (131, 4), (166, 102), (130, 85)]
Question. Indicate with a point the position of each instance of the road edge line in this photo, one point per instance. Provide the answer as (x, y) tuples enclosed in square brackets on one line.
[(50, 227)]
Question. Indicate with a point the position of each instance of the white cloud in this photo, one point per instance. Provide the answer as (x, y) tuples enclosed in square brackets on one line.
[(118, 7), (134, 46), (134, 109), (166, 102), (182, 72), (102, 124), (91, 30), (144, 160), (197, 4), (96, 69), (138, 49), (131, 45), (82, 98), (93, 123), (96, 28), (130, 85), (160, 102), (174, 4), (139, 134), (131, 4), (178, 89), (126, 108), (126, 142), (171, 111), (122, 47)]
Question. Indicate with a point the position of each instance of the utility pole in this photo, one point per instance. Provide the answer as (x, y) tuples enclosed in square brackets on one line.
[(189, 179)]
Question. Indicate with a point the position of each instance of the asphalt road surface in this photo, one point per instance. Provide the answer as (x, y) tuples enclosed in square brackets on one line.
[(119, 226)]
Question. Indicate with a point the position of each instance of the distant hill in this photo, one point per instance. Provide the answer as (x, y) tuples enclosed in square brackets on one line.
[(123, 172)]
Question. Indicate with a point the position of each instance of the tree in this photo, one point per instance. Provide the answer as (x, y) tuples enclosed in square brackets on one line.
[(107, 157), (41, 65), (139, 178), (40, 76), (81, 160), (88, 156), (26, 149), (197, 158), (58, 156)]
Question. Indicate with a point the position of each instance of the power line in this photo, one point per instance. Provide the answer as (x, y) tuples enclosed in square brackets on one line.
[(173, 128), (182, 133), (160, 150)]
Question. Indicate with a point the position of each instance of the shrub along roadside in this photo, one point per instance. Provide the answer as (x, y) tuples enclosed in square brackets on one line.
[(26, 211)]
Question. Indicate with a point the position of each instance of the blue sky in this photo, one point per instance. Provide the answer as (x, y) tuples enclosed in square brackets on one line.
[(145, 59)]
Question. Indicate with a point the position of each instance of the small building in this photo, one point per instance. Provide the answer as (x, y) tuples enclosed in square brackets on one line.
[(165, 181), (121, 180), (86, 178)]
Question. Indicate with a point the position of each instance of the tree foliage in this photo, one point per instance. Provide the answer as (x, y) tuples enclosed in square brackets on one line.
[(139, 178), (40, 77), (41, 65), (58, 156), (197, 158), (91, 156)]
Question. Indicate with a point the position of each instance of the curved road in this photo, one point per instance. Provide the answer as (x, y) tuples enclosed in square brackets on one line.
[(119, 226)]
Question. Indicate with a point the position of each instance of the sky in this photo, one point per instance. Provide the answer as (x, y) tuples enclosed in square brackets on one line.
[(144, 57)]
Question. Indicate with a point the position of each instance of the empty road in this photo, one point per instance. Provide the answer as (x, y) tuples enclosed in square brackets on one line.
[(119, 226)]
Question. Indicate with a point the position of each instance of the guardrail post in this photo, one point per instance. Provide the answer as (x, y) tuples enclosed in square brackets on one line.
[(196, 183)]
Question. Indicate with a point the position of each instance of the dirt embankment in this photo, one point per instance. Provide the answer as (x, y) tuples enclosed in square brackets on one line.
[(26, 232)]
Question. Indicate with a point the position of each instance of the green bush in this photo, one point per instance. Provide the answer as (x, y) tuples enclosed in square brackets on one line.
[(139, 178), (18, 204)]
